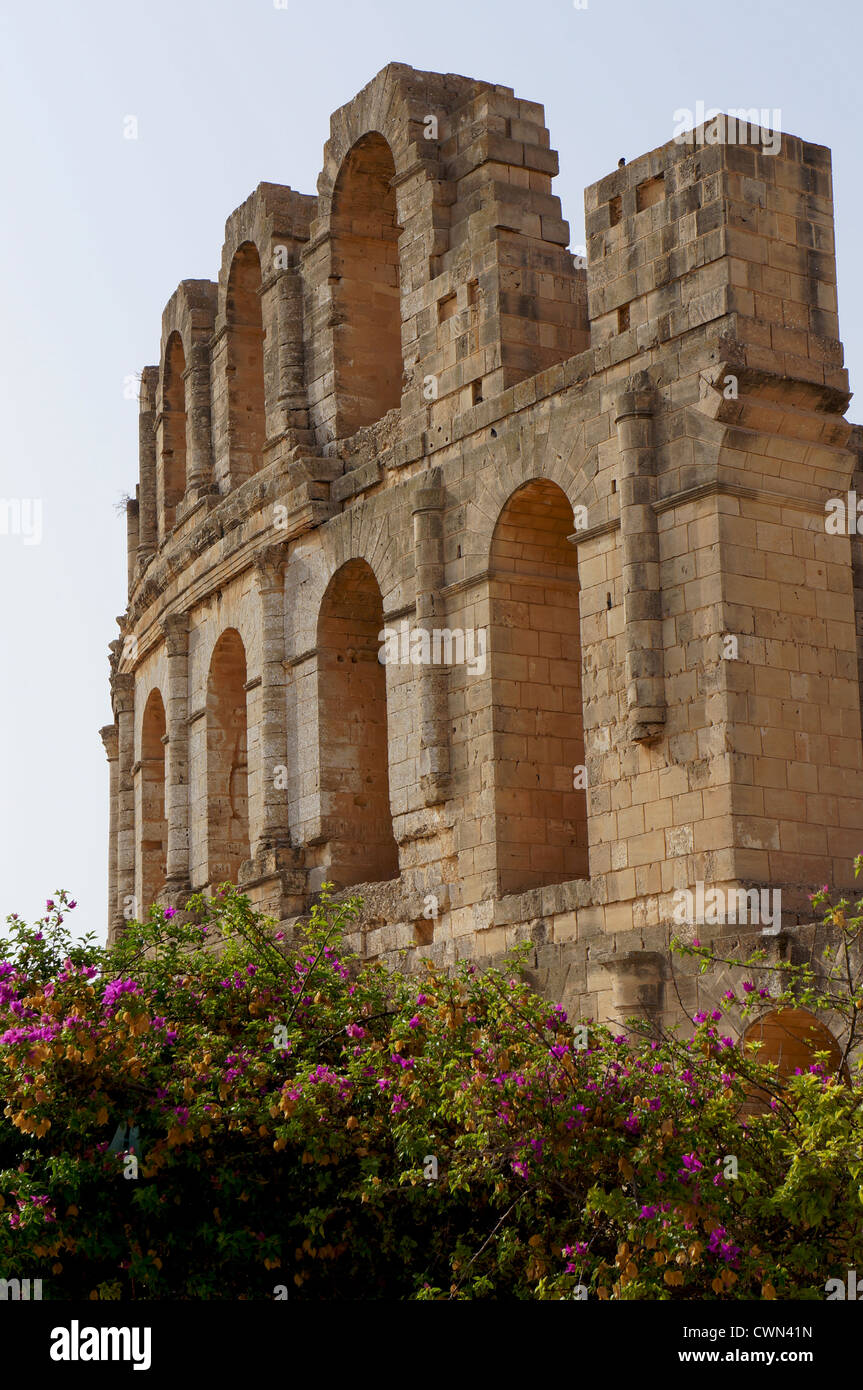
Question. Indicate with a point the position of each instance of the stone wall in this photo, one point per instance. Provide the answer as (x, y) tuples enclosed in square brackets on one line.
[(581, 511)]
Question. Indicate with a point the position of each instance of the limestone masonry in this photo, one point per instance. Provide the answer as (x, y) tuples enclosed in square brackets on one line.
[(492, 585)]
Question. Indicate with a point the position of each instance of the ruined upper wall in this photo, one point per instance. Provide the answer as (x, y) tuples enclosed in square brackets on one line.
[(739, 236), (430, 273)]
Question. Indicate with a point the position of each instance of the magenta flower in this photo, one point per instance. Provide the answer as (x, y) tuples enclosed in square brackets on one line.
[(170, 912), (115, 989), (724, 1248)]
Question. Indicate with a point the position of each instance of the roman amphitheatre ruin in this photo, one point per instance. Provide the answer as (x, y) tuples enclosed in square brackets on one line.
[(583, 497)]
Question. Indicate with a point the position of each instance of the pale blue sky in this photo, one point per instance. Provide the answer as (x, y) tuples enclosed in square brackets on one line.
[(98, 230)]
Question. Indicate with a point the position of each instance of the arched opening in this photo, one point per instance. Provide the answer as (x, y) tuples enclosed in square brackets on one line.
[(173, 432), (367, 336), (354, 745), (154, 823), (535, 648), (227, 761), (247, 428), (790, 1038)]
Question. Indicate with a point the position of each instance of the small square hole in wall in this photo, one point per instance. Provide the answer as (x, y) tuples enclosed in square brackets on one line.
[(472, 293), (446, 308), (614, 485), (476, 391), (650, 192), (615, 210), (623, 318), (424, 933)]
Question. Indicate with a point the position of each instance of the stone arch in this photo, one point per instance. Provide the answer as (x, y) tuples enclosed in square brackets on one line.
[(227, 760), (395, 108), (360, 533), (790, 1038), (272, 224), (154, 821), (540, 801), (395, 104), (561, 456), (247, 430), (364, 227), (356, 818), (172, 461), (189, 319)]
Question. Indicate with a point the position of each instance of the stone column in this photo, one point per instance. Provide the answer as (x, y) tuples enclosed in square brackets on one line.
[(271, 817), (198, 441), (175, 629), (147, 464), (432, 681), (637, 989), (642, 595), (132, 540), (109, 739), (292, 390), (123, 693)]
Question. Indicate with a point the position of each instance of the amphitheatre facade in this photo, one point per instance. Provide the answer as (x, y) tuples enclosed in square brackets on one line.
[(493, 582)]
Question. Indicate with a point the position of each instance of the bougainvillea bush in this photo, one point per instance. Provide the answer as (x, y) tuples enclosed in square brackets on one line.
[(272, 1118)]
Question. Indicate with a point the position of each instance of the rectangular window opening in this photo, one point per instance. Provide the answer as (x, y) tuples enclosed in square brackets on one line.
[(650, 192), (446, 308)]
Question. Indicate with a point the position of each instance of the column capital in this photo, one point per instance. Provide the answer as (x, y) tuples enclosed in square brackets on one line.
[(123, 692), (430, 495), (269, 564), (175, 630), (110, 738)]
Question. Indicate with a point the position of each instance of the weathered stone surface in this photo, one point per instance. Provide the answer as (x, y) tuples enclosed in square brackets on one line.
[(404, 407)]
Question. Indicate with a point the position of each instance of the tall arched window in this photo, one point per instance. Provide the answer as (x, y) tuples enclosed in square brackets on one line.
[(354, 744), (367, 337), (247, 427), (227, 761), (173, 464), (535, 647), (154, 827)]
